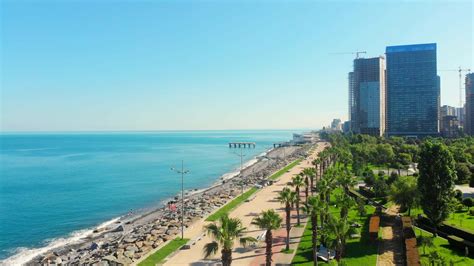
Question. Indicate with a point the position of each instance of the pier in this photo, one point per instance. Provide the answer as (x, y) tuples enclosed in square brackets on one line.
[(242, 144)]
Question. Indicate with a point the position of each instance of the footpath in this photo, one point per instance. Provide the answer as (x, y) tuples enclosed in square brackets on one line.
[(264, 199), (390, 248)]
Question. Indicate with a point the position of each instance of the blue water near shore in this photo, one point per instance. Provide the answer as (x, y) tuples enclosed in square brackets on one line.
[(54, 184)]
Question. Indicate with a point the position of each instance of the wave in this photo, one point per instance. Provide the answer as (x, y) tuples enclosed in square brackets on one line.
[(24, 255)]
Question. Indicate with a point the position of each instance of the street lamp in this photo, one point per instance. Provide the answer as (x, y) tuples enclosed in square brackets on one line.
[(182, 172)]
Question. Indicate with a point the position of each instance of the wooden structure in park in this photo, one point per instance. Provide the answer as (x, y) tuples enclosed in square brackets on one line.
[(374, 226)]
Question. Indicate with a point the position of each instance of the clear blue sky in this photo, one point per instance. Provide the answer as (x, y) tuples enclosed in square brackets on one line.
[(128, 65)]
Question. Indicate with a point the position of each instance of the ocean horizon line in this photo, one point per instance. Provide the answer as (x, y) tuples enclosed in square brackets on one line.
[(26, 132)]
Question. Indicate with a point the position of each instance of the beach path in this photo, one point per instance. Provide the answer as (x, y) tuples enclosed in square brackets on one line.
[(263, 200)]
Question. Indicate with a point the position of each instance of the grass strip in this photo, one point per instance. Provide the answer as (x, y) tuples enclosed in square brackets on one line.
[(237, 201), (231, 205), (164, 252), (284, 169)]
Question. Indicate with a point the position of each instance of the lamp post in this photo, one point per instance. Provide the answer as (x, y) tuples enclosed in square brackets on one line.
[(182, 172)]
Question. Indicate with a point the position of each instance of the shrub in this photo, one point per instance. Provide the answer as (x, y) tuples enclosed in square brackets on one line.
[(463, 173), (471, 212), (468, 202), (458, 194)]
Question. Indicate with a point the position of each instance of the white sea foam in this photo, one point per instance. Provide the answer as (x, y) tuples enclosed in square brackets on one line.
[(24, 255)]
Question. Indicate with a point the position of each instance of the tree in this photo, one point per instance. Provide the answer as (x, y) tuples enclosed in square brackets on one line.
[(297, 182), (468, 202), (384, 153), (392, 178), (436, 181), (404, 192), (380, 187), (458, 195), (339, 229), (287, 197), (345, 202), (225, 234), (369, 177), (463, 173), (268, 220), (310, 173), (314, 207)]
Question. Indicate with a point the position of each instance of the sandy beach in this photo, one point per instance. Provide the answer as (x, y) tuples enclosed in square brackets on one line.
[(133, 237), (263, 200)]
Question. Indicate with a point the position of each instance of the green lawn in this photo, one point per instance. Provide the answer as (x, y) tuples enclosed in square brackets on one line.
[(231, 205), (441, 245), (461, 219), (284, 169), (358, 251), (164, 252)]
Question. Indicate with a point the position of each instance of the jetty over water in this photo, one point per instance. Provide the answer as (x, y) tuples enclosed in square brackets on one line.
[(242, 144)]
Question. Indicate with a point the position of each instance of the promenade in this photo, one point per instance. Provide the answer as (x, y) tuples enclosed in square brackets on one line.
[(263, 200)]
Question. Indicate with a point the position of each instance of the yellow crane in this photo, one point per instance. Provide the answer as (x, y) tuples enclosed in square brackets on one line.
[(460, 71)]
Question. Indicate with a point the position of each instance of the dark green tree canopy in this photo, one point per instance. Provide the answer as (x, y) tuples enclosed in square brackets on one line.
[(436, 180)]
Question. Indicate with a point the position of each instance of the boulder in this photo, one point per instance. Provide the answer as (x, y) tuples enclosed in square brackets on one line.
[(129, 253)]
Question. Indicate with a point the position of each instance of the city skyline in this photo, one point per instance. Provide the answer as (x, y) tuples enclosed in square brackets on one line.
[(198, 66)]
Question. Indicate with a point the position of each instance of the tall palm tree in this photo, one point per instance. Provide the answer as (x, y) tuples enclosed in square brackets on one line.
[(345, 179), (297, 182), (268, 220), (345, 202), (225, 234), (339, 229), (310, 173), (314, 207), (287, 197)]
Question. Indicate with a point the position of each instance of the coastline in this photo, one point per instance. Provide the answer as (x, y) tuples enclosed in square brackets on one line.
[(84, 246)]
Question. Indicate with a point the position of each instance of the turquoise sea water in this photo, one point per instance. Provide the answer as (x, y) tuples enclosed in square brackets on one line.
[(53, 184)]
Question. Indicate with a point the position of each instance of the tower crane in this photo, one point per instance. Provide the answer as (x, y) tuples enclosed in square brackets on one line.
[(459, 70), (355, 52)]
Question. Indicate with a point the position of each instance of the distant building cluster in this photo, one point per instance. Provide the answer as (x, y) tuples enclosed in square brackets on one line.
[(398, 94)]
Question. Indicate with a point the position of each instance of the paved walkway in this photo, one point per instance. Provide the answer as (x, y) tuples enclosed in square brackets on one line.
[(390, 249), (264, 200)]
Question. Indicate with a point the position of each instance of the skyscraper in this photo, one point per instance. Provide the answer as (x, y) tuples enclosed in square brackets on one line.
[(367, 85), (469, 119), (413, 90)]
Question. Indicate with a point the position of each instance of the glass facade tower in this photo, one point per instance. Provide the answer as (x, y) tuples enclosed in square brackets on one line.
[(413, 91), (469, 125), (368, 96)]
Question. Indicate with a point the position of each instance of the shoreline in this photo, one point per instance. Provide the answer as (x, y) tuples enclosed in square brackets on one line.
[(85, 246)]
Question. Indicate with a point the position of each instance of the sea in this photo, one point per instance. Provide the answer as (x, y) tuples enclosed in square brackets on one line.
[(57, 187)]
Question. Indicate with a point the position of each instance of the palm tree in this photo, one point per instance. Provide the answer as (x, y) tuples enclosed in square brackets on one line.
[(312, 208), (345, 180), (345, 202), (297, 182), (339, 229), (287, 197), (268, 220), (225, 234), (310, 173)]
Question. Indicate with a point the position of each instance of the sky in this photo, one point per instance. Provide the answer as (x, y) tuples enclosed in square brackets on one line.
[(202, 65)]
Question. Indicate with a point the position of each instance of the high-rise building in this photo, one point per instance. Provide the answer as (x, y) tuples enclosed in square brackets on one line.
[(351, 96), (413, 90), (367, 89), (336, 124), (469, 118)]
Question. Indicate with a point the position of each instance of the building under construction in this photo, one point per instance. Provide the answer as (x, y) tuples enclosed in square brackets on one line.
[(367, 96)]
